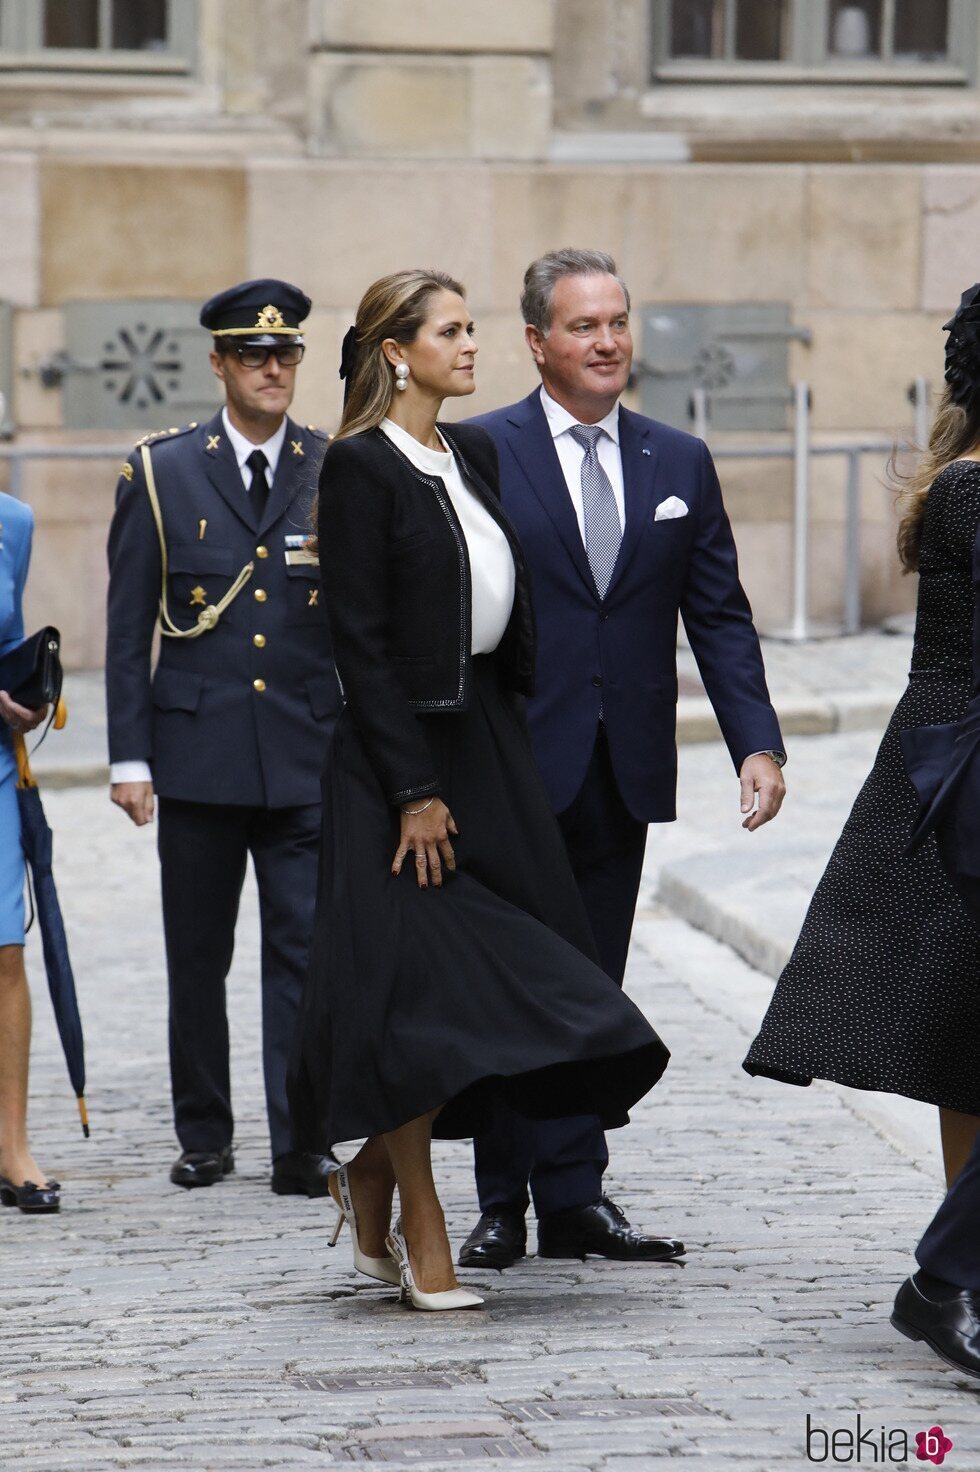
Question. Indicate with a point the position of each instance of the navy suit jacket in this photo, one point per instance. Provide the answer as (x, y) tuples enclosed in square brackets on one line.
[(620, 652), (208, 734)]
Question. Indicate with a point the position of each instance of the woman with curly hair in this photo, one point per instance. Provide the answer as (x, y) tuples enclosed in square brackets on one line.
[(881, 989)]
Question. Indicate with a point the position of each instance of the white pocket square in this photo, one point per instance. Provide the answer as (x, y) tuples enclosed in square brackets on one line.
[(669, 509)]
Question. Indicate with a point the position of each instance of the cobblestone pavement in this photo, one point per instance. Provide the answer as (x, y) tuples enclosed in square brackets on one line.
[(146, 1327)]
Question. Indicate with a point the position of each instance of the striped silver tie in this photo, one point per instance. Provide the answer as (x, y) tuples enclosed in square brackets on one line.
[(600, 514)]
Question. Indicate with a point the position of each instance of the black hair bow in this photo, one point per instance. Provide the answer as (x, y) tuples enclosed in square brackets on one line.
[(963, 348), (348, 352)]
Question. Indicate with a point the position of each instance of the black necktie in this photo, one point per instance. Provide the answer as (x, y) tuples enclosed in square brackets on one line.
[(259, 489)]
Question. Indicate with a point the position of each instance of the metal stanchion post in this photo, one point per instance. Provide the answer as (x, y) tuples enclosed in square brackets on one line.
[(852, 549), (801, 510), (920, 400), (699, 412)]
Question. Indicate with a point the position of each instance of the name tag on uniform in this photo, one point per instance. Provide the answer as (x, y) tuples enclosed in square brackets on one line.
[(299, 552)]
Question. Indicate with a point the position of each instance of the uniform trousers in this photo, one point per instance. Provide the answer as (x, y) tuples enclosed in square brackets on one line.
[(203, 851), (561, 1161)]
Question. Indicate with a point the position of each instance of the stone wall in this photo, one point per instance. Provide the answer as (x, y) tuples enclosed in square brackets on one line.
[(328, 142)]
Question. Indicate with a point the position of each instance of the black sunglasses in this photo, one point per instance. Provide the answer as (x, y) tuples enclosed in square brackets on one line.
[(289, 354)]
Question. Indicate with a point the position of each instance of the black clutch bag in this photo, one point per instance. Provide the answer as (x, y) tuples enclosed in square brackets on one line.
[(31, 674)]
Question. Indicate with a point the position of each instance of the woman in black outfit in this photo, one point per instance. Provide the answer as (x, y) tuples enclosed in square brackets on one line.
[(881, 991), (452, 959)]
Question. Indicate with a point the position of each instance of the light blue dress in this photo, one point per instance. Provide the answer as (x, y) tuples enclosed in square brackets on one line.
[(16, 530)]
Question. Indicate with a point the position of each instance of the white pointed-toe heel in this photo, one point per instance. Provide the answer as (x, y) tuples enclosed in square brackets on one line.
[(383, 1269), (431, 1302)]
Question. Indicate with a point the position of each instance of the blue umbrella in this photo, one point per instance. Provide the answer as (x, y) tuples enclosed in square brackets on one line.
[(37, 843)]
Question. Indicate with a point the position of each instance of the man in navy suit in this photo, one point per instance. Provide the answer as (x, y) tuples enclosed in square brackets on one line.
[(622, 522), (230, 731)]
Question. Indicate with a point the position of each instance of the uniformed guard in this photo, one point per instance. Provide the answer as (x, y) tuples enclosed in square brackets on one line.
[(209, 541)]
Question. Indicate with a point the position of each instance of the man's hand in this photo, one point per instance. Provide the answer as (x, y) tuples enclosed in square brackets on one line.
[(135, 798), (761, 776), (19, 717)]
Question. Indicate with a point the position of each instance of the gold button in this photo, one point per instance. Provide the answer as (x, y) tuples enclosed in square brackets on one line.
[(260, 595), (258, 640), (258, 685), (261, 551)]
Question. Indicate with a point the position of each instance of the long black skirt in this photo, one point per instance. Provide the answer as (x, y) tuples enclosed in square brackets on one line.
[(448, 997)]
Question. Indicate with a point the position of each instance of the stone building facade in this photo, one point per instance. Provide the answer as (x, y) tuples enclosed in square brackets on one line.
[(818, 158)]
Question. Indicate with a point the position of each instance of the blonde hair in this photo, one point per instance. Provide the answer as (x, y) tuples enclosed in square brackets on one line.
[(396, 306), (955, 431)]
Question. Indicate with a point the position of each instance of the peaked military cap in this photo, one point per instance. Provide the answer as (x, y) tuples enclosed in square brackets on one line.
[(261, 313)]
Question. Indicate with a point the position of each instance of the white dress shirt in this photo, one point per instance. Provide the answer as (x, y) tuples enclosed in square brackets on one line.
[(571, 454), (138, 771), (492, 574), (243, 448)]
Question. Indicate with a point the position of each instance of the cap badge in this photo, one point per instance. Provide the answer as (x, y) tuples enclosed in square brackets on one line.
[(270, 316)]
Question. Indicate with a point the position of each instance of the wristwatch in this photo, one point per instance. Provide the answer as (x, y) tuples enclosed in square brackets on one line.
[(779, 757)]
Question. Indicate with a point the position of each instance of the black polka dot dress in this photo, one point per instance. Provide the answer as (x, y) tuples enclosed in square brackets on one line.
[(882, 990)]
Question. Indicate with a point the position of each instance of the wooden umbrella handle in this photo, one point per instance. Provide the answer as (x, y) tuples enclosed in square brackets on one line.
[(25, 778)]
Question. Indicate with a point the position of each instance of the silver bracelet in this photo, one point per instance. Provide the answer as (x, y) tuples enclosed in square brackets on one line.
[(414, 812)]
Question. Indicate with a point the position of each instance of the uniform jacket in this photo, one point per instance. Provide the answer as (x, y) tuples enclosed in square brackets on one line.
[(620, 652), (16, 531), (397, 577), (209, 733)]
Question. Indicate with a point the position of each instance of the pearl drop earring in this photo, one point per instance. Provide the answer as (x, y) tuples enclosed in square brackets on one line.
[(401, 376)]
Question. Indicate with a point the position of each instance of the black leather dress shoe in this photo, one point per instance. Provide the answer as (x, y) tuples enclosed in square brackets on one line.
[(202, 1167), (298, 1173), (945, 1316), (601, 1228), (498, 1240)]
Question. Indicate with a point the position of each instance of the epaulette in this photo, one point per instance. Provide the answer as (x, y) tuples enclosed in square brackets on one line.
[(320, 434), (166, 434)]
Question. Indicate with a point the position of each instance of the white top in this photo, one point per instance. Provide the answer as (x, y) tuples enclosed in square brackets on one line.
[(492, 575), (139, 771), (571, 454)]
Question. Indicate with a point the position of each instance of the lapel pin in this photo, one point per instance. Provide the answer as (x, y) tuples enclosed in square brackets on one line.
[(202, 528), (645, 450), (297, 447), (213, 441)]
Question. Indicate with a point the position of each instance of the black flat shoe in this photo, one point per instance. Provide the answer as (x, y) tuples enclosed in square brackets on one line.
[(602, 1229), (34, 1199), (300, 1173), (498, 1240), (202, 1167), (945, 1317)]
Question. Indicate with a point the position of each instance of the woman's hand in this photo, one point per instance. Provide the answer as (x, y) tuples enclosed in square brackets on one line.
[(19, 717), (426, 834)]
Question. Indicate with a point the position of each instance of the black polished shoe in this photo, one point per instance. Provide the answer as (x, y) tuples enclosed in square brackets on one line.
[(202, 1167), (947, 1318), (299, 1173), (601, 1228), (30, 1197), (498, 1240)]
